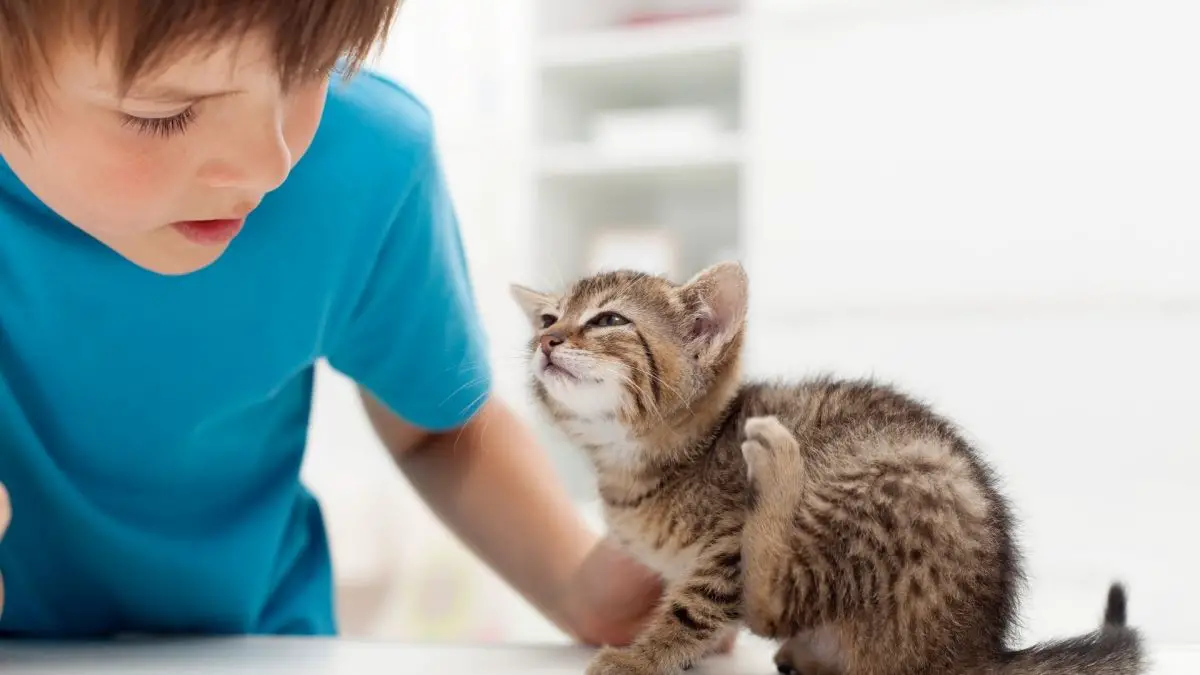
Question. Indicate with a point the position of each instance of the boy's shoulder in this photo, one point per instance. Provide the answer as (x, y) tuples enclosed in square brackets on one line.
[(375, 140), (371, 176), (376, 119)]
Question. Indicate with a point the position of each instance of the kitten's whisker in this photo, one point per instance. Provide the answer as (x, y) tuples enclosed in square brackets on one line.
[(483, 431), (469, 369), (474, 402), (465, 385), (614, 370), (653, 405), (665, 384), (463, 429)]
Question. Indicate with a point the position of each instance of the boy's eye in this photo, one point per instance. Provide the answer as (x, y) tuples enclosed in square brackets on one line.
[(164, 127), (548, 320), (608, 319)]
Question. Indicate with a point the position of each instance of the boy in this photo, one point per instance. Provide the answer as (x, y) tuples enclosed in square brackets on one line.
[(193, 210)]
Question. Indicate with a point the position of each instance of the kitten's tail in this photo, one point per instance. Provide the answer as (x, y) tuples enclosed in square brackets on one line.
[(1113, 649)]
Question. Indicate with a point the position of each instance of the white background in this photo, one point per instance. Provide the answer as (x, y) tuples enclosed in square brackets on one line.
[(991, 204)]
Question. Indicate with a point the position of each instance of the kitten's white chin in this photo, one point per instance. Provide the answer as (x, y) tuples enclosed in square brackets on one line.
[(577, 389)]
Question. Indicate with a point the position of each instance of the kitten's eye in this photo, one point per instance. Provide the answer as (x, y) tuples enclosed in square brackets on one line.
[(608, 319), (548, 320)]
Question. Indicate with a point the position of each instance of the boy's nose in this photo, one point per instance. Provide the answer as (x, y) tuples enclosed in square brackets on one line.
[(550, 341), (256, 163)]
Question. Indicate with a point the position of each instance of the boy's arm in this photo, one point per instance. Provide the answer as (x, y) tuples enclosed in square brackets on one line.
[(413, 342), (492, 487)]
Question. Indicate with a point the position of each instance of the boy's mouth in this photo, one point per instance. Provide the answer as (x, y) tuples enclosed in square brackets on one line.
[(209, 232)]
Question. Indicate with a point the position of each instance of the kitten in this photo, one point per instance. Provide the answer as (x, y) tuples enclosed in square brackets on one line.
[(842, 519)]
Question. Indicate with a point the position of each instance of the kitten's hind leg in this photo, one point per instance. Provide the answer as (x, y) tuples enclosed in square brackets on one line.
[(776, 482), (803, 582), (869, 546)]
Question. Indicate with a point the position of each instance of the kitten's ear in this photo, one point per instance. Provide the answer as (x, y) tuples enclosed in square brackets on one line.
[(531, 302), (722, 293)]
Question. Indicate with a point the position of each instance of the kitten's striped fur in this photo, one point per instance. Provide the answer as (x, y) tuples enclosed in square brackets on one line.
[(841, 518)]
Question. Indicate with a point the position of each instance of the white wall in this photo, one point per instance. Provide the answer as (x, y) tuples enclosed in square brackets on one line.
[(994, 207), (1086, 414)]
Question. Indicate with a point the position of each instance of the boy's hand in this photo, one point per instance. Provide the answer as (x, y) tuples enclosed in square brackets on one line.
[(495, 489), (5, 516), (613, 597)]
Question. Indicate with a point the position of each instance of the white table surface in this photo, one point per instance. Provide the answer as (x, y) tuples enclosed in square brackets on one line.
[(305, 656)]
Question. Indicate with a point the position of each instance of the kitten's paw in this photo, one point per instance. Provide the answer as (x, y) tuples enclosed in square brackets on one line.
[(770, 432), (614, 661), (766, 437)]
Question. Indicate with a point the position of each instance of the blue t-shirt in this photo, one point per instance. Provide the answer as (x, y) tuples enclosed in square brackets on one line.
[(152, 427)]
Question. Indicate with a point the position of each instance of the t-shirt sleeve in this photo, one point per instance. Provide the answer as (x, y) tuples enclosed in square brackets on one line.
[(414, 339)]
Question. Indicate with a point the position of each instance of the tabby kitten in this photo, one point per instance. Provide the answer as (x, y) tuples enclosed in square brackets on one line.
[(842, 519)]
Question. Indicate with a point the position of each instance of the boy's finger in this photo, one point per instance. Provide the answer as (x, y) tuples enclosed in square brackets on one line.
[(5, 510), (727, 644), (5, 516)]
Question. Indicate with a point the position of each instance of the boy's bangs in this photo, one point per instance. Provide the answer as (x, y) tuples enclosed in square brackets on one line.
[(308, 37)]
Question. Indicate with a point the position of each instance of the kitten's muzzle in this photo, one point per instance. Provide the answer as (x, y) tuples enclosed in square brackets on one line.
[(547, 364)]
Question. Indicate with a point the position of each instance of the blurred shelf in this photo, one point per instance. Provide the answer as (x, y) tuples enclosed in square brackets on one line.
[(678, 40), (581, 160), (637, 125)]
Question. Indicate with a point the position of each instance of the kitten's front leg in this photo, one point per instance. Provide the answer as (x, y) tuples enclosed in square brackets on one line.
[(694, 615)]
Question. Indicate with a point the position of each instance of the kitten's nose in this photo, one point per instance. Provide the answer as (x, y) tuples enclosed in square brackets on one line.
[(550, 341)]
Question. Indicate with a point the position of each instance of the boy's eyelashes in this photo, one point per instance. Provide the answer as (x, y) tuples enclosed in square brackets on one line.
[(163, 127)]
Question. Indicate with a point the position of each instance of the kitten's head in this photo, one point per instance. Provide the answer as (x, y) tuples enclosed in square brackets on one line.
[(632, 345)]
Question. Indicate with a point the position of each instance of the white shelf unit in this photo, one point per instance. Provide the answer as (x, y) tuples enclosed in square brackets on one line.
[(723, 155), (637, 127), (715, 35)]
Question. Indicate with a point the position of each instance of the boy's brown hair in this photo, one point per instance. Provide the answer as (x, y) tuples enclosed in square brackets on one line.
[(308, 36)]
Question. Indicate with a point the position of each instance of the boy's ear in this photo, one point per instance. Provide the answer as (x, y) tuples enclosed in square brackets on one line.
[(722, 293), (531, 302)]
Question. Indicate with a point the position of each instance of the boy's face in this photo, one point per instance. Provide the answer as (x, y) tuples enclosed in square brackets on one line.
[(203, 140)]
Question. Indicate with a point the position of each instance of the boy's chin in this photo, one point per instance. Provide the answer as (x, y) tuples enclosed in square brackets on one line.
[(167, 255), (177, 266)]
